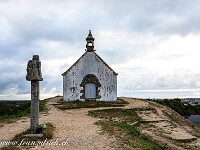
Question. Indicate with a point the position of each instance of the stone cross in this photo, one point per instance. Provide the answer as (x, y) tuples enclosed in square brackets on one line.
[(34, 75)]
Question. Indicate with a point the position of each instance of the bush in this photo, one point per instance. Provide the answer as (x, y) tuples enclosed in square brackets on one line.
[(181, 108)]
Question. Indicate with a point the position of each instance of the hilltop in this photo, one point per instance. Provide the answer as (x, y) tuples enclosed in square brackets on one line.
[(156, 122)]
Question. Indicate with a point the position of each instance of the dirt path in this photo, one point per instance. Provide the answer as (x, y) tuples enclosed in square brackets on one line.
[(79, 129), (10, 129), (73, 126), (80, 132)]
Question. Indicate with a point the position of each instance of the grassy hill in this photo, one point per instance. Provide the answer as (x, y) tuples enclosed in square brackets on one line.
[(14, 109), (183, 109), (137, 124)]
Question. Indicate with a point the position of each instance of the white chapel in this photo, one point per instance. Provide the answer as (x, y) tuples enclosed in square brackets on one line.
[(90, 77)]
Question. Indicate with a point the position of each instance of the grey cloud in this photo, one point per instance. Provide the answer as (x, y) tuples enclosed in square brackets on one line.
[(158, 17), (12, 76), (136, 16), (180, 79), (161, 94), (30, 27)]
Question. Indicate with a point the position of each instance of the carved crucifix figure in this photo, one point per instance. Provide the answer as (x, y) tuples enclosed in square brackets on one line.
[(34, 75)]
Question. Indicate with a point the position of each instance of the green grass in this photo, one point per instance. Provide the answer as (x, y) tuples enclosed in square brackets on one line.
[(128, 115), (183, 109), (138, 140), (128, 134), (16, 109), (48, 132), (42, 106), (10, 111), (90, 104)]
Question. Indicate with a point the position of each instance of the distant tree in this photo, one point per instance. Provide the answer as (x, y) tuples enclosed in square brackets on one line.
[(181, 108)]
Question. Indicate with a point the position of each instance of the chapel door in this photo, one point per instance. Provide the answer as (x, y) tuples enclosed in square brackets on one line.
[(90, 90)]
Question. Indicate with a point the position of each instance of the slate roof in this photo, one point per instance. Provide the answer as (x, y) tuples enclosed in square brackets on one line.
[(82, 57), (194, 119)]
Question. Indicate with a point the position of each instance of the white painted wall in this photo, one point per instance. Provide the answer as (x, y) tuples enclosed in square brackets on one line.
[(90, 64)]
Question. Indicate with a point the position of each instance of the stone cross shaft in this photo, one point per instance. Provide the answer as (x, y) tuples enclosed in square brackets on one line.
[(34, 106), (34, 75)]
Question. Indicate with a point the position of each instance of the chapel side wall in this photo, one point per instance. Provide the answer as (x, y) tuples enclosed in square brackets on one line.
[(71, 85), (108, 82), (90, 64)]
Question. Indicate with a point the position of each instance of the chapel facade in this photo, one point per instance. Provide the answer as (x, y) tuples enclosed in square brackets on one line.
[(90, 77)]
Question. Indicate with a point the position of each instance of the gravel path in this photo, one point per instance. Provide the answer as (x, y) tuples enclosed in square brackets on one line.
[(10, 129), (73, 127), (78, 130)]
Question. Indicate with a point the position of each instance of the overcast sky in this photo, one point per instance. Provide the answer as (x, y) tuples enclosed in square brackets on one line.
[(154, 45)]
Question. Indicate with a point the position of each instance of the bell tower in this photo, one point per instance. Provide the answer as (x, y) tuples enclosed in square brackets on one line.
[(90, 42)]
